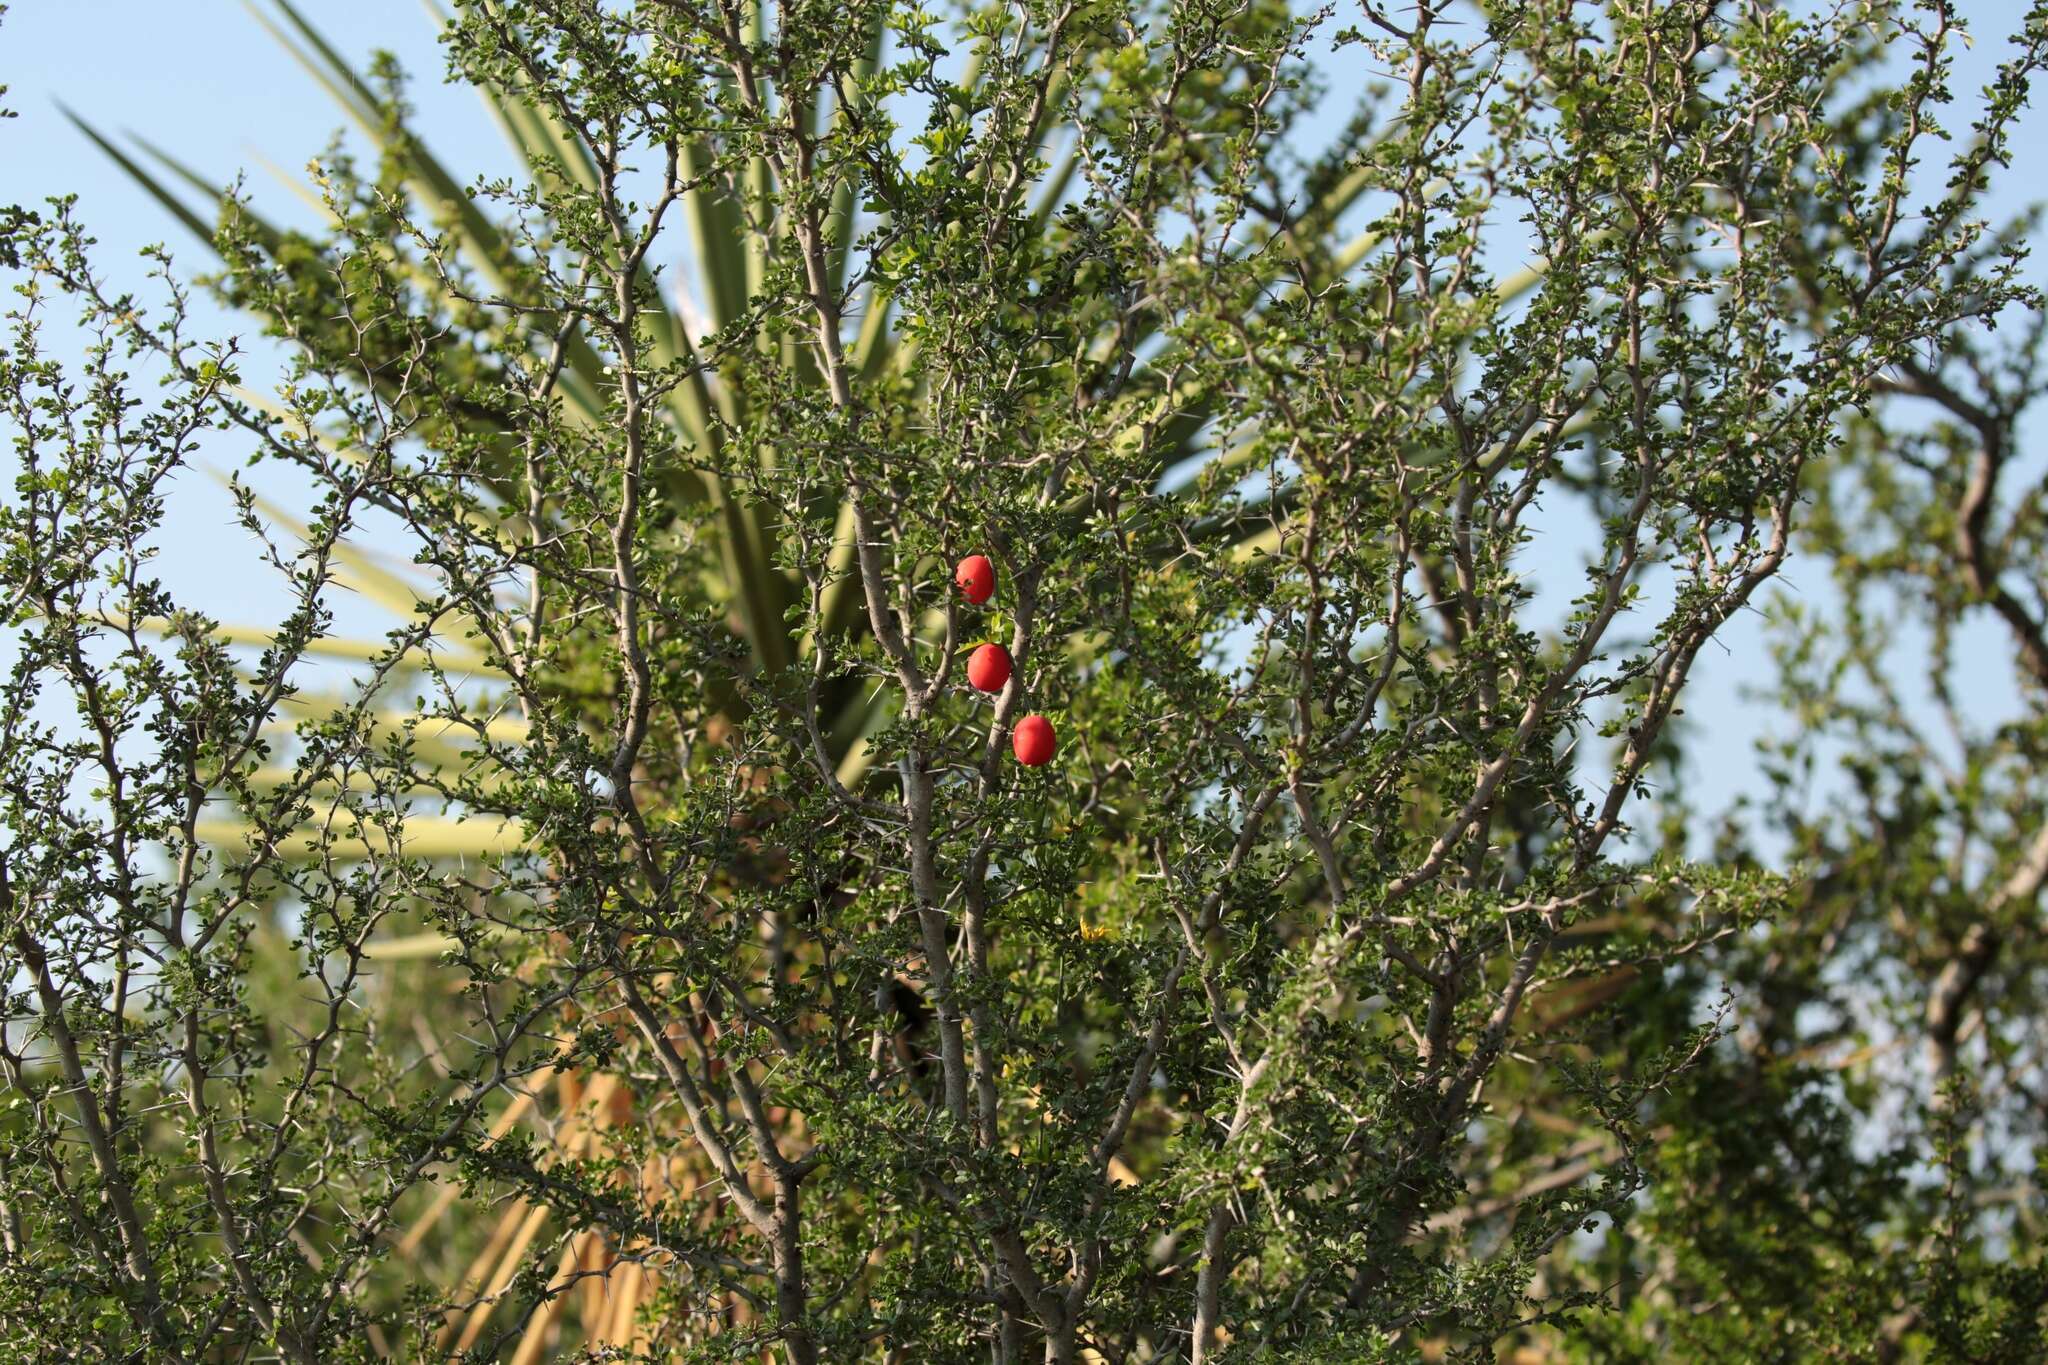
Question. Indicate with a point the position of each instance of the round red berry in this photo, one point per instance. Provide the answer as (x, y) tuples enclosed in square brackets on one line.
[(976, 578), (1033, 741), (988, 668)]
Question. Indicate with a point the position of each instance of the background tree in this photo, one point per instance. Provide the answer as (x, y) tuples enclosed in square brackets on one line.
[(1315, 997), (1874, 1195)]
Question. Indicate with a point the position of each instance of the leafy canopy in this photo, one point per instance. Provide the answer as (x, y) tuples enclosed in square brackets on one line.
[(660, 876)]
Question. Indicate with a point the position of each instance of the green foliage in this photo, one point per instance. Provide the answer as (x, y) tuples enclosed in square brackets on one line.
[(1318, 1001)]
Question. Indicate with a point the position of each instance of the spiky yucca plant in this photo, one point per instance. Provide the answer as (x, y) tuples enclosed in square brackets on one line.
[(772, 1007)]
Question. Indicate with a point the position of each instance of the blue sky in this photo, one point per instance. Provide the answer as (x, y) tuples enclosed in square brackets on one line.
[(202, 79)]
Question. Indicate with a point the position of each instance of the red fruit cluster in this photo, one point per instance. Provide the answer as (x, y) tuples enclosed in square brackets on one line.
[(989, 667)]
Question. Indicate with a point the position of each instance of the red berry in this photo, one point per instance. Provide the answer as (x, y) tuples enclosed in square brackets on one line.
[(988, 668), (1033, 742), (976, 578)]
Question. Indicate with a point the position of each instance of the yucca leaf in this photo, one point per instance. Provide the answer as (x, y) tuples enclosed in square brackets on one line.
[(534, 133), (715, 229), (839, 605), (750, 554), (210, 189), (622, 1328), (1055, 187), (483, 243), (1263, 543), (576, 1136), (499, 729), (513, 1254), (277, 778), (298, 189), (845, 204), (155, 188), (434, 744), (424, 836), (749, 564), (332, 74), (384, 588), (321, 646), (539, 1333), (871, 350), (853, 767), (418, 947)]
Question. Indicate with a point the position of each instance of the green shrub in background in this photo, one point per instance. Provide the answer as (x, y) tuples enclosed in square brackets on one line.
[(652, 949)]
